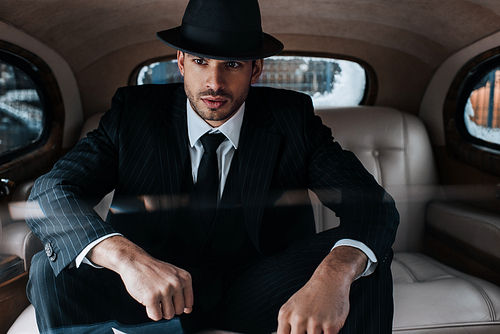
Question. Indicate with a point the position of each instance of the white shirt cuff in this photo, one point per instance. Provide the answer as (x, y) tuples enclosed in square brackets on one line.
[(81, 258), (371, 263)]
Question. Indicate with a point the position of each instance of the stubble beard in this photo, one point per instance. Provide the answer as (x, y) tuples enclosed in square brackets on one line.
[(211, 113)]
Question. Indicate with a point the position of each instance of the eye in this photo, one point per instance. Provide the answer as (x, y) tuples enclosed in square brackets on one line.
[(199, 61), (233, 64)]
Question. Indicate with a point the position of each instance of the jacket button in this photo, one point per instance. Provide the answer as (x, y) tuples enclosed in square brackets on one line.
[(48, 249), (50, 252)]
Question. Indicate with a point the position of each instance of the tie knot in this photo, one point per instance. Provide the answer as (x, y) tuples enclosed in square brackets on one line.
[(212, 141)]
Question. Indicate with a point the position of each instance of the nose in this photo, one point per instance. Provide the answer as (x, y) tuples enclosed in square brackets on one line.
[(215, 79)]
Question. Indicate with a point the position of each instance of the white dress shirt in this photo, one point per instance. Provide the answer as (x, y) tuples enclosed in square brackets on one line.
[(197, 127)]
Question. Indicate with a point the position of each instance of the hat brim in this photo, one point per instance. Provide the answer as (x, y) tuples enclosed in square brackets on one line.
[(172, 37)]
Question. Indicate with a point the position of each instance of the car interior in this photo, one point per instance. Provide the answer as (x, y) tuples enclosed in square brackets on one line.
[(426, 125)]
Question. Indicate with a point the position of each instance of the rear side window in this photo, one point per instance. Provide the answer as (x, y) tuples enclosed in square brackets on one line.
[(22, 118), (25, 113), (329, 81), (482, 110), (472, 113)]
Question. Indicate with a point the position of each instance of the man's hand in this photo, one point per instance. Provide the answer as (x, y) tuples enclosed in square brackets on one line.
[(322, 305), (165, 290)]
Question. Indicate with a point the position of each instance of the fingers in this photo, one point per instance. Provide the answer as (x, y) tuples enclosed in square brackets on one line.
[(169, 306), (291, 322), (154, 311), (165, 293), (179, 298), (183, 297), (166, 306), (188, 297), (284, 327), (311, 328), (178, 304)]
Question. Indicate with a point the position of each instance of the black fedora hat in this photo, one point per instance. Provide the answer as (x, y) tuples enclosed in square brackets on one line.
[(223, 30)]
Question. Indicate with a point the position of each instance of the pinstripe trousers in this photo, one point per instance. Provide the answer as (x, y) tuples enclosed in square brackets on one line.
[(250, 303)]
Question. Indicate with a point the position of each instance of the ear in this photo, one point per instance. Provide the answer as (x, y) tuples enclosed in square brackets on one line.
[(180, 61), (257, 70)]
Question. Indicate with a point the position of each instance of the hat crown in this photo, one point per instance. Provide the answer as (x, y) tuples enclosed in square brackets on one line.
[(222, 29), (224, 15)]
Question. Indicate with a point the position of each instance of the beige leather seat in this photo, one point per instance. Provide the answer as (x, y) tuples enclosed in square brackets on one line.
[(429, 297)]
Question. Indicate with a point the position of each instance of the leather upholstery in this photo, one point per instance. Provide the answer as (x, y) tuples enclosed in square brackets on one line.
[(395, 148), (16, 237), (430, 297), (473, 226), (19, 240)]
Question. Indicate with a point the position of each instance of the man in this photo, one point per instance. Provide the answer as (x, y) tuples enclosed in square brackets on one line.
[(250, 262)]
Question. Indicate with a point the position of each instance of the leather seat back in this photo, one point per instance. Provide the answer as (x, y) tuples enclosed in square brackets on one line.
[(394, 147)]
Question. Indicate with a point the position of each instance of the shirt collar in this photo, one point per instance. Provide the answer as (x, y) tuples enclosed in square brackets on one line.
[(197, 127)]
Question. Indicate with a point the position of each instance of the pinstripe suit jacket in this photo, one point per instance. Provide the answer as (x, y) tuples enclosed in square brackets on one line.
[(141, 148)]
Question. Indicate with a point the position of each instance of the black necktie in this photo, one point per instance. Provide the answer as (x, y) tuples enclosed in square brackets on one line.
[(207, 185)]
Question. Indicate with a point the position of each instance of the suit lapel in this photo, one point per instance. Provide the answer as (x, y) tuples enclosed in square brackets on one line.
[(172, 146), (259, 151)]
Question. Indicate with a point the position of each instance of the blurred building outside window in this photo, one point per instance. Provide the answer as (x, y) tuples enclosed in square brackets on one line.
[(21, 110), (482, 110)]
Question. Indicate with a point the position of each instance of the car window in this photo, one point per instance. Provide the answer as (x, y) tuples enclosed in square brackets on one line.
[(31, 114), (21, 110), (329, 81), (482, 110), (472, 113)]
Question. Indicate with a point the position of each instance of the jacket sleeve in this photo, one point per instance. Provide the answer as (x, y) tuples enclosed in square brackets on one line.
[(67, 194), (367, 212)]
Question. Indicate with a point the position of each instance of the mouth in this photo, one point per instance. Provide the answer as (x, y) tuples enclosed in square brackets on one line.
[(214, 102)]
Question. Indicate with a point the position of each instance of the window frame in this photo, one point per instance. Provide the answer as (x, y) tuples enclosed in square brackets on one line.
[(371, 88), (18, 164), (460, 144)]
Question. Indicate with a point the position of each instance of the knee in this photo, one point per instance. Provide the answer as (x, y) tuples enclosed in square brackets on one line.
[(43, 291), (40, 266), (41, 276)]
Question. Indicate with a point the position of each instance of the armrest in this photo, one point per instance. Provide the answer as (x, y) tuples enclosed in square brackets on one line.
[(18, 239), (464, 237)]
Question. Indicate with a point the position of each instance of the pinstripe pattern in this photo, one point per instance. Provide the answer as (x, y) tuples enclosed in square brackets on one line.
[(140, 148), (78, 297)]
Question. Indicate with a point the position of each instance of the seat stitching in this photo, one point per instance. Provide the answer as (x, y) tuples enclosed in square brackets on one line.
[(405, 149), (379, 167), (481, 291), (407, 269)]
